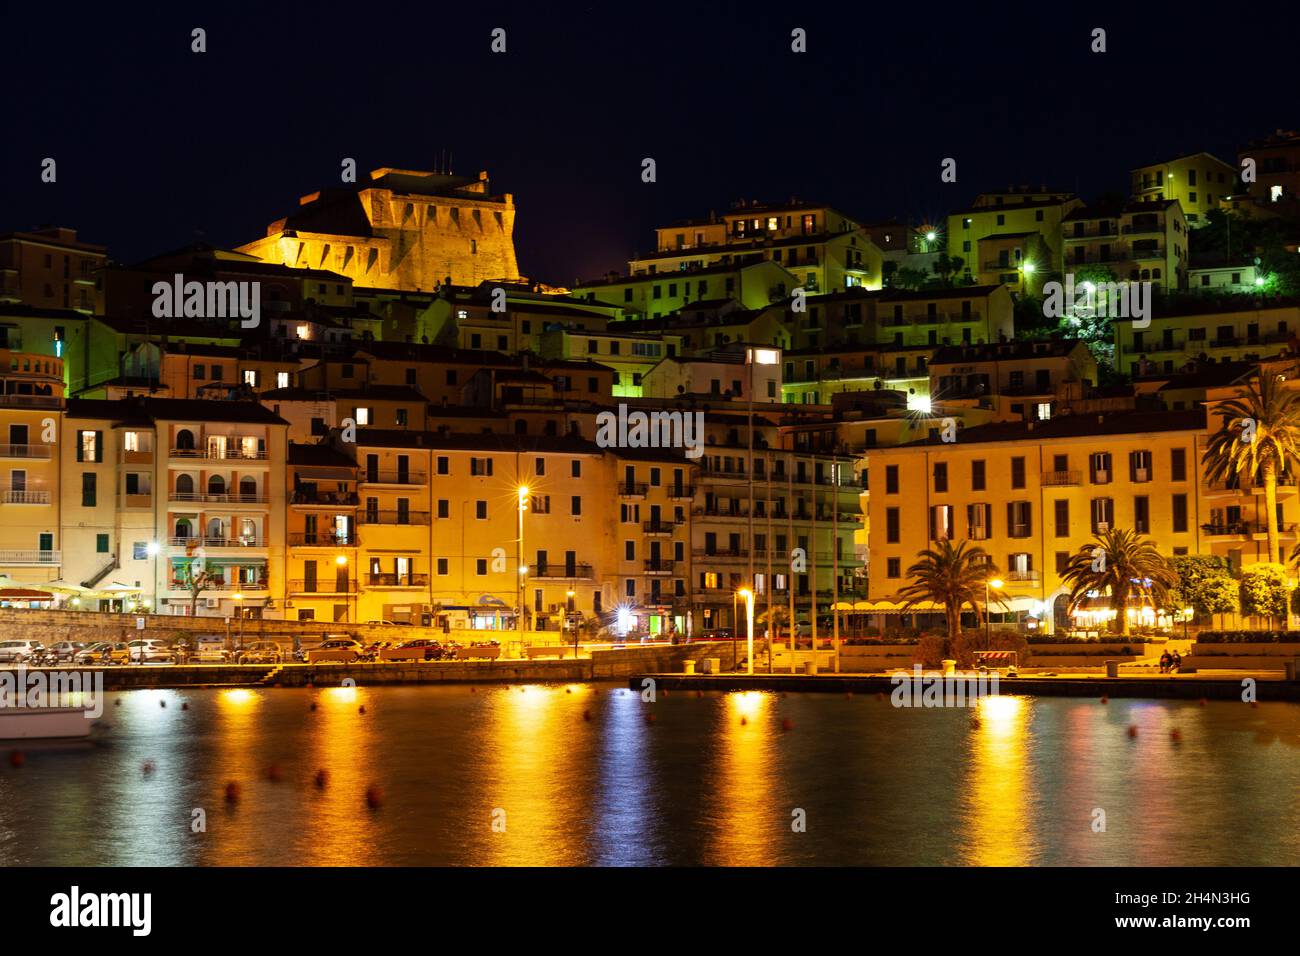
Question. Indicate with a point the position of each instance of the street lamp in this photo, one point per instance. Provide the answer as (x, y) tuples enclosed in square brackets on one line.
[(239, 610), (568, 620), (341, 561), (523, 568), (748, 595), (152, 549), (996, 585)]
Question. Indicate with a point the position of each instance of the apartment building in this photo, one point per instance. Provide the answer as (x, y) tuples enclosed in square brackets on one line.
[(322, 572), (1013, 380), (31, 396), (1197, 182), (1011, 238), (1222, 329), (50, 268), (1137, 241)]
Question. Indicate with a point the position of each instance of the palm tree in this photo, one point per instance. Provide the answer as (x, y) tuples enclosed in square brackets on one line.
[(951, 576), (1119, 561), (1258, 439)]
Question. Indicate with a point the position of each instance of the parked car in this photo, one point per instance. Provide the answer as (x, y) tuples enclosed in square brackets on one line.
[(348, 651), (21, 652), (63, 650), (150, 650), (103, 652), (392, 623), (206, 649), (260, 652), (420, 649)]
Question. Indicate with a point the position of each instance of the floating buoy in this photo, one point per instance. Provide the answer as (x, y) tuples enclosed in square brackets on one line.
[(17, 758), (880, 695), (321, 779), (664, 692), (185, 705), (787, 725), (975, 723), (848, 695), (274, 773), (1203, 702), (374, 797), (118, 702), (1105, 700), (649, 718), (313, 706), (147, 767), (699, 693), (309, 685), (232, 792), (1254, 703), (1132, 730), (1176, 735), (586, 715), (162, 703), (744, 721), (361, 709), (568, 690), (473, 689)]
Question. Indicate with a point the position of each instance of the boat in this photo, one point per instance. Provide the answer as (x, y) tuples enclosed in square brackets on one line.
[(44, 723)]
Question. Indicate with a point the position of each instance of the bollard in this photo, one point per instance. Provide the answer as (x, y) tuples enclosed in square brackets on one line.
[(1112, 668), (711, 665), (688, 667), (1289, 666), (810, 667)]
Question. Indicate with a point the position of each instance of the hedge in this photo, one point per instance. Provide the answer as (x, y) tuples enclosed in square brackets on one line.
[(1248, 637)]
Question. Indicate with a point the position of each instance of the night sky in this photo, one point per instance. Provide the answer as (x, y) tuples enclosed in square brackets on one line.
[(158, 147)]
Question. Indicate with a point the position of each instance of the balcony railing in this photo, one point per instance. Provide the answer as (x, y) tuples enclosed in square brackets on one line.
[(208, 541), (1245, 528), (393, 517), (1023, 577), (659, 527), (393, 580), (322, 539), (25, 451), (632, 488), (32, 401), (218, 497), (392, 478), (24, 496), (339, 498), (139, 500), (559, 572), (237, 587), (15, 558), (681, 491), (660, 566), (219, 454), (323, 586), (1060, 478)]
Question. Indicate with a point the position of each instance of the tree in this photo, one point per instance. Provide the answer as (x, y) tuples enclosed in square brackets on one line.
[(1258, 440), (908, 278), (197, 582), (954, 577), (1119, 562), (1264, 591), (1205, 584), (946, 266)]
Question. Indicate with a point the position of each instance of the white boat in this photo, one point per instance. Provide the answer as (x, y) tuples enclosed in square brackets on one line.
[(44, 723)]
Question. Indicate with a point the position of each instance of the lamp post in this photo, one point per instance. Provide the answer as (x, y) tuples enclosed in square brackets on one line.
[(342, 562), (748, 595), (996, 585), (239, 610), (152, 549), (523, 568), (568, 620)]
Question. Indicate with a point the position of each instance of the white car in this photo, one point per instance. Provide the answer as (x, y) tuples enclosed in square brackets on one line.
[(20, 652), (150, 651)]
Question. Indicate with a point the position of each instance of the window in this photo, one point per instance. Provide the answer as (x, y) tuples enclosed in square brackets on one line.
[(1180, 514), (480, 510), (893, 568), (444, 508), (250, 377), (891, 479), (444, 465), (1178, 465), (1019, 519), (281, 379), (363, 415), (139, 550), (101, 544), (977, 475), (891, 526), (480, 567), (200, 372), (539, 467), (940, 477), (1142, 514), (90, 446), (1017, 473), (1103, 515), (442, 566), (1099, 467), (629, 550), (88, 489), (1139, 466), (541, 504), (979, 521), (1062, 561), (480, 466), (575, 468), (941, 522), (575, 505), (1061, 515)]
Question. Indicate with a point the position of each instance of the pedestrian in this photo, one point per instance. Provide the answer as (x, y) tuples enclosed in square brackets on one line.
[(1176, 663), (1165, 661)]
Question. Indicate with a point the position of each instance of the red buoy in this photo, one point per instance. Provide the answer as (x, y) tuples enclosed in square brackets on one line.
[(147, 768), (1132, 730), (1176, 735), (586, 715), (232, 792), (361, 709), (1105, 700), (374, 797), (568, 690), (699, 693), (185, 705), (162, 703), (744, 721), (1203, 702), (274, 773), (848, 694), (322, 778), (649, 718), (787, 725), (17, 758), (313, 706)]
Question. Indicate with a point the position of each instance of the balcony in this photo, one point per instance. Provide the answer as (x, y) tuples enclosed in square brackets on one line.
[(681, 491), (24, 496), (659, 527), (323, 586), (331, 499), (394, 580), (218, 454), (141, 500), (25, 451), (560, 572), (654, 599), (1058, 479), (393, 517), (1023, 577), (322, 540), (30, 558), (195, 541), (1245, 528), (138, 456), (221, 498), (32, 401), (660, 566), (632, 489), (392, 478)]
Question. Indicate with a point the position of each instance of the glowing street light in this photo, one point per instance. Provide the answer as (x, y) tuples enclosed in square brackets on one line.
[(996, 585), (748, 595), (522, 492)]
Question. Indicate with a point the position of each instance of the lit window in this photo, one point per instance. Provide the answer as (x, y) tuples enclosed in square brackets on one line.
[(250, 377), (281, 379), (304, 331), (363, 416)]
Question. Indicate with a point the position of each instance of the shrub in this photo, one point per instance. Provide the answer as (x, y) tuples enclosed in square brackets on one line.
[(1248, 637)]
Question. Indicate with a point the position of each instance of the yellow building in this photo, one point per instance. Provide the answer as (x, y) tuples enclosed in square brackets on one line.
[(1221, 329), (1136, 241), (988, 234), (1011, 380), (1032, 494), (323, 570), (31, 396), (401, 229), (1199, 182), (653, 294)]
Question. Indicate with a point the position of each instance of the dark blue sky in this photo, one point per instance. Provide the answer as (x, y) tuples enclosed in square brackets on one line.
[(157, 146)]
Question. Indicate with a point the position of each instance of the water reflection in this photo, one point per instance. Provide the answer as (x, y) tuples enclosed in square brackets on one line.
[(744, 814), (997, 804)]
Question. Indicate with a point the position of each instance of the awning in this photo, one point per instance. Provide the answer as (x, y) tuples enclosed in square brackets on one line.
[(24, 594)]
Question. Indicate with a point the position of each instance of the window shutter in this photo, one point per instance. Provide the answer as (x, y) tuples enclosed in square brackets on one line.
[(933, 523), (1011, 519), (99, 446), (81, 453), (1029, 520)]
